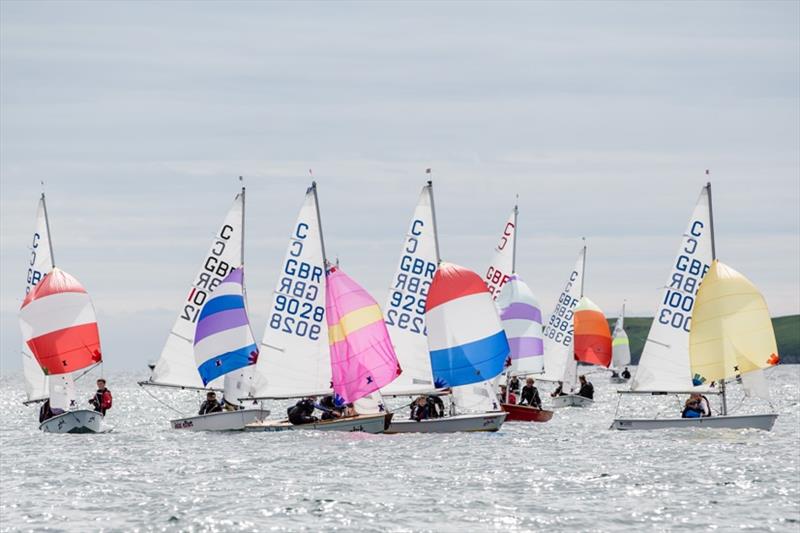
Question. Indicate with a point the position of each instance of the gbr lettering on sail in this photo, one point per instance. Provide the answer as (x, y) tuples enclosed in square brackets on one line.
[(684, 281)]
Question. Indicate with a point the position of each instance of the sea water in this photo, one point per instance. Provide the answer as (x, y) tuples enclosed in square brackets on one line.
[(570, 474)]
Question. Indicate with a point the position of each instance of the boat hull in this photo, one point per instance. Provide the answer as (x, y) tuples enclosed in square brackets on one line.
[(364, 423), (523, 413), (764, 422), (571, 400), (222, 421), (79, 421), (617, 380), (450, 424)]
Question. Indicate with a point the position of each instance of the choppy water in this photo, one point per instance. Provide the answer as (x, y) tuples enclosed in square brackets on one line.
[(571, 474)]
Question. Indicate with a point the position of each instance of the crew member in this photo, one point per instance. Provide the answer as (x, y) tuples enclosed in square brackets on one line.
[(211, 405), (530, 395), (101, 401), (587, 389)]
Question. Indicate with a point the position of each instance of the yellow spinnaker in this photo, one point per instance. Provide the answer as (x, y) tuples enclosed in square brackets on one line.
[(731, 330)]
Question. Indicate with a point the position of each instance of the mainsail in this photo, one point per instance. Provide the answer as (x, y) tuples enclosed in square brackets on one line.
[(732, 330), (295, 359), (664, 364), (558, 334), (362, 356), (502, 265), (59, 326), (176, 366), (223, 341), (40, 262), (405, 307), (466, 341), (521, 316), (620, 348), (591, 334)]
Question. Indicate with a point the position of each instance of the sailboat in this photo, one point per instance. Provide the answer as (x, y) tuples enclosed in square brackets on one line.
[(436, 312), (584, 332), (521, 317), (61, 341), (323, 337), (178, 366), (712, 327), (620, 349)]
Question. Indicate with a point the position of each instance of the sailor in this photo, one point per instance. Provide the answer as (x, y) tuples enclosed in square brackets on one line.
[(329, 408), (302, 412), (559, 390), (626, 373), (614, 374), (101, 401), (509, 398), (705, 405), (435, 406), (587, 389), (46, 412), (513, 385), (419, 409), (530, 395), (211, 405), (692, 408)]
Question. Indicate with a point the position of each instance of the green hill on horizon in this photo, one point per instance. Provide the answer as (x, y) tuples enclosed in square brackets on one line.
[(787, 334)]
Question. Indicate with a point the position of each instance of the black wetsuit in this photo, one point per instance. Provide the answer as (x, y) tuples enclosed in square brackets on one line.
[(530, 396), (435, 407), (587, 390), (302, 413), (330, 410), (513, 385), (420, 412), (45, 413), (626, 374), (210, 406)]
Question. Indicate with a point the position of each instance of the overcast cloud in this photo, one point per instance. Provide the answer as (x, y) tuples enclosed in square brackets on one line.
[(602, 116)]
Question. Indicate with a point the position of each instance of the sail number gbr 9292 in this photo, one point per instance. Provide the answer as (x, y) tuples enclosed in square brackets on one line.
[(409, 292)]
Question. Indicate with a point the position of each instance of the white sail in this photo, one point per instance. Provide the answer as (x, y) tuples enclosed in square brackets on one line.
[(476, 398), (62, 391), (405, 308), (570, 379), (176, 366), (621, 350), (40, 262), (294, 358), (559, 329), (502, 264), (664, 364)]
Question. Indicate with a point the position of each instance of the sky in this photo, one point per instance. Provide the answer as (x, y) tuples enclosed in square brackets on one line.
[(602, 116)]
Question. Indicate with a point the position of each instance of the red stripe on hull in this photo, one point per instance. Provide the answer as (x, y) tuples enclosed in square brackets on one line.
[(67, 350), (594, 349), (451, 282)]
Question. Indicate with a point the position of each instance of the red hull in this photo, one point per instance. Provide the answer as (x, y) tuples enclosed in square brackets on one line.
[(523, 413)]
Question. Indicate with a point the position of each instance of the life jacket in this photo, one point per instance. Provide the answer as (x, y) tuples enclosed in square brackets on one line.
[(691, 413)]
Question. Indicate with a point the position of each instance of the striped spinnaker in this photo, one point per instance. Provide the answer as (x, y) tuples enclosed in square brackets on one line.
[(521, 317)]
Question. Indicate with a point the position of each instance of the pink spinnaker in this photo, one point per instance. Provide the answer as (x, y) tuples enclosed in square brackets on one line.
[(362, 355)]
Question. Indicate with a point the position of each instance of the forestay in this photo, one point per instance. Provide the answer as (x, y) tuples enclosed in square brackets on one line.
[(466, 341), (405, 307), (362, 356), (732, 330), (521, 317), (502, 265), (176, 366), (664, 364), (294, 359), (558, 334), (40, 262), (620, 348)]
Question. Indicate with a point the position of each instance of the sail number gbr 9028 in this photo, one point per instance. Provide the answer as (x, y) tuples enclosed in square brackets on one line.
[(214, 270), (409, 292), (295, 309)]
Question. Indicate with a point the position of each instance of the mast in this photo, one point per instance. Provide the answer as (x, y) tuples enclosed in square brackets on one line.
[(47, 226), (714, 258), (241, 180), (435, 228), (583, 268), (313, 188), (514, 248)]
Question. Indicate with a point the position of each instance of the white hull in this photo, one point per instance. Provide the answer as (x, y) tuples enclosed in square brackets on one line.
[(365, 423), (80, 421), (764, 422), (617, 380), (450, 424), (222, 421), (571, 400)]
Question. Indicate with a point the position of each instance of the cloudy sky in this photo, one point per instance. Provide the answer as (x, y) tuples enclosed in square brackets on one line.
[(602, 116)]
